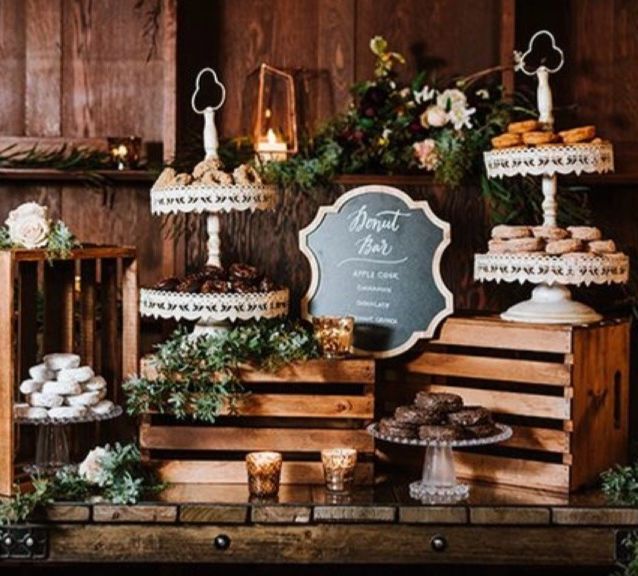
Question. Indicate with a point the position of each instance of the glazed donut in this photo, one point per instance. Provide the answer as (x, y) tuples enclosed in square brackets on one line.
[(60, 361), (40, 373), (538, 138), (506, 232), (564, 246), (84, 399), (581, 134), (602, 246), (30, 386), (81, 374), (46, 400), (586, 233), (506, 140), (523, 126)]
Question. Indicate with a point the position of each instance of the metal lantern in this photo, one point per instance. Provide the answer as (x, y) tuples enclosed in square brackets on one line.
[(275, 128)]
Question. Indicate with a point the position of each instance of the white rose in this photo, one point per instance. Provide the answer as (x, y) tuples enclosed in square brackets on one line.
[(434, 116), (91, 467), (455, 103), (28, 226)]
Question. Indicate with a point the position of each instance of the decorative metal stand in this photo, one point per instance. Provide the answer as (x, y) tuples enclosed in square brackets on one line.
[(212, 311), (52, 444), (551, 301), (438, 484)]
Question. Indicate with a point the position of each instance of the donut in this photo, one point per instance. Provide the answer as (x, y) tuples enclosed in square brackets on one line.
[(523, 245), (182, 179), (60, 361), (601, 246), (550, 232), (165, 179), (214, 287), (506, 140), (267, 285), (167, 284), (497, 246), (416, 415), (506, 232), (30, 386), (585, 232), (391, 427), (94, 384), (218, 177), (189, 285), (214, 272), (439, 401), (581, 134), (83, 399), (102, 407), (40, 373), (67, 412), (481, 430), (37, 413), (564, 246), (46, 400), (242, 272), (442, 433), (81, 374), (523, 126), (207, 165), (538, 138), (470, 416), (66, 388)]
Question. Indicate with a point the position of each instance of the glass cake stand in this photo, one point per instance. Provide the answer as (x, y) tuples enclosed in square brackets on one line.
[(52, 445), (438, 484)]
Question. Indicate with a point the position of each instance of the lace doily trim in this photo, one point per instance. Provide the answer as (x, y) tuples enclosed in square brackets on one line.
[(201, 198), (215, 307), (550, 160), (543, 268)]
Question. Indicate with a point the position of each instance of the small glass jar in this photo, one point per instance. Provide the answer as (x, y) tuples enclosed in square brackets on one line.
[(125, 151), (334, 335), (338, 468), (264, 473)]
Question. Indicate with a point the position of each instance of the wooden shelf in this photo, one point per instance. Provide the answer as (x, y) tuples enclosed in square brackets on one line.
[(46, 174)]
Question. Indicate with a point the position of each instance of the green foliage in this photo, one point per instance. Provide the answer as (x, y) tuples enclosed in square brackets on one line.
[(65, 157), (61, 241), (620, 484), (5, 241), (198, 376), (630, 544), (122, 480)]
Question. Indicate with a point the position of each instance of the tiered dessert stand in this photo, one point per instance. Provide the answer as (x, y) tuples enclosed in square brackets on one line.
[(438, 484), (551, 300), (212, 311)]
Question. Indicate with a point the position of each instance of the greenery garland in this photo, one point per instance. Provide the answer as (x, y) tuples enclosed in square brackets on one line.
[(198, 377), (116, 475)]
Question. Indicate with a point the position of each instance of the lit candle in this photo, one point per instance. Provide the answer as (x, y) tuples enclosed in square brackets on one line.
[(334, 335), (270, 148)]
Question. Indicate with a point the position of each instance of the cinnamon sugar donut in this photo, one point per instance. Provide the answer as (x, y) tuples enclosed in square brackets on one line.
[(564, 246), (580, 134), (523, 126), (538, 138), (507, 140), (602, 246), (507, 232), (586, 233), (550, 232)]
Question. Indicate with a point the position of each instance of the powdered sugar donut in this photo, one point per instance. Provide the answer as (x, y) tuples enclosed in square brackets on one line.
[(95, 384), (40, 373), (81, 374), (46, 400), (103, 407), (84, 399), (30, 386), (61, 361), (61, 388), (67, 412), (37, 413)]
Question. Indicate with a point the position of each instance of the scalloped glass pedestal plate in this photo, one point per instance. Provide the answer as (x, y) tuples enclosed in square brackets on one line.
[(52, 444), (438, 485)]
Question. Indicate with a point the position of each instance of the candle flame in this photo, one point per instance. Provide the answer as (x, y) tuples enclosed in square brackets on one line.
[(271, 137)]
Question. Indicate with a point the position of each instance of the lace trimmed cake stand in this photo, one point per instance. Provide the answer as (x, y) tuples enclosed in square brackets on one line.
[(551, 300), (212, 311), (52, 445), (438, 484)]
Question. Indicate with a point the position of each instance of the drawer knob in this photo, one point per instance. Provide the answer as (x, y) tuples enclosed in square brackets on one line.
[(222, 542), (438, 543)]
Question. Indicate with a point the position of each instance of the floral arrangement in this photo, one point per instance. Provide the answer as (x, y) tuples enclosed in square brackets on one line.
[(395, 127), (29, 226), (199, 377), (108, 474)]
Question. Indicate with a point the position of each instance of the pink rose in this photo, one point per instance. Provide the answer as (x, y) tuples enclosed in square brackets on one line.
[(426, 154)]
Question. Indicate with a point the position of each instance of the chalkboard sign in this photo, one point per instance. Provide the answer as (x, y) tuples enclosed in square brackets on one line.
[(375, 255)]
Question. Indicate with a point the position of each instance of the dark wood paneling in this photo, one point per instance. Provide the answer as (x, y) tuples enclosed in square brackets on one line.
[(12, 73)]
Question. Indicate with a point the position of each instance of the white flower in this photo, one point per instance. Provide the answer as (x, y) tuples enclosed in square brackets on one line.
[(424, 95), (386, 133), (29, 226), (426, 154), (483, 93), (91, 468), (434, 116), (455, 103)]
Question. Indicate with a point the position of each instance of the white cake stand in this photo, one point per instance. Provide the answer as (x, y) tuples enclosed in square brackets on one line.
[(551, 301), (438, 484), (212, 311)]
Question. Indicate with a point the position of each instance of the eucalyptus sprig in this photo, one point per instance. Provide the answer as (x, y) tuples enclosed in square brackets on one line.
[(620, 484), (198, 377)]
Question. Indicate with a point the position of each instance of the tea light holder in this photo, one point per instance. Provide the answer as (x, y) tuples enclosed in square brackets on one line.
[(338, 468), (334, 335), (264, 473), (125, 151)]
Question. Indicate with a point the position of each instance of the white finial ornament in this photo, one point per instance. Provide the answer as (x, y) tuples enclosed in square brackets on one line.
[(211, 140)]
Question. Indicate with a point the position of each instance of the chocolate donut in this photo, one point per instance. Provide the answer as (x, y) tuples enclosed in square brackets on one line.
[(212, 286), (243, 272), (243, 287), (392, 427), (167, 284), (267, 285), (214, 272), (439, 401), (416, 415), (481, 430), (189, 285), (441, 433), (470, 416)]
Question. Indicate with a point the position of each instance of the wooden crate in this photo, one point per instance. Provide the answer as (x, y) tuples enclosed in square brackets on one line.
[(297, 411), (90, 307), (564, 390)]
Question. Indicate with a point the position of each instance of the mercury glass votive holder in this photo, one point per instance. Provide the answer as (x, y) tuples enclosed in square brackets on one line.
[(264, 473), (338, 468), (125, 151), (334, 335)]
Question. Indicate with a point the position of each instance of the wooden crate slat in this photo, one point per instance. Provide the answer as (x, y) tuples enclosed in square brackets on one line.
[(109, 323), (87, 252), (27, 318), (543, 439), (247, 439), (316, 372), (485, 368), (131, 328), (515, 403), (307, 406), (513, 471), (7, 374), (234, 472), (88, 299), (59, 286), (492, 332)]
